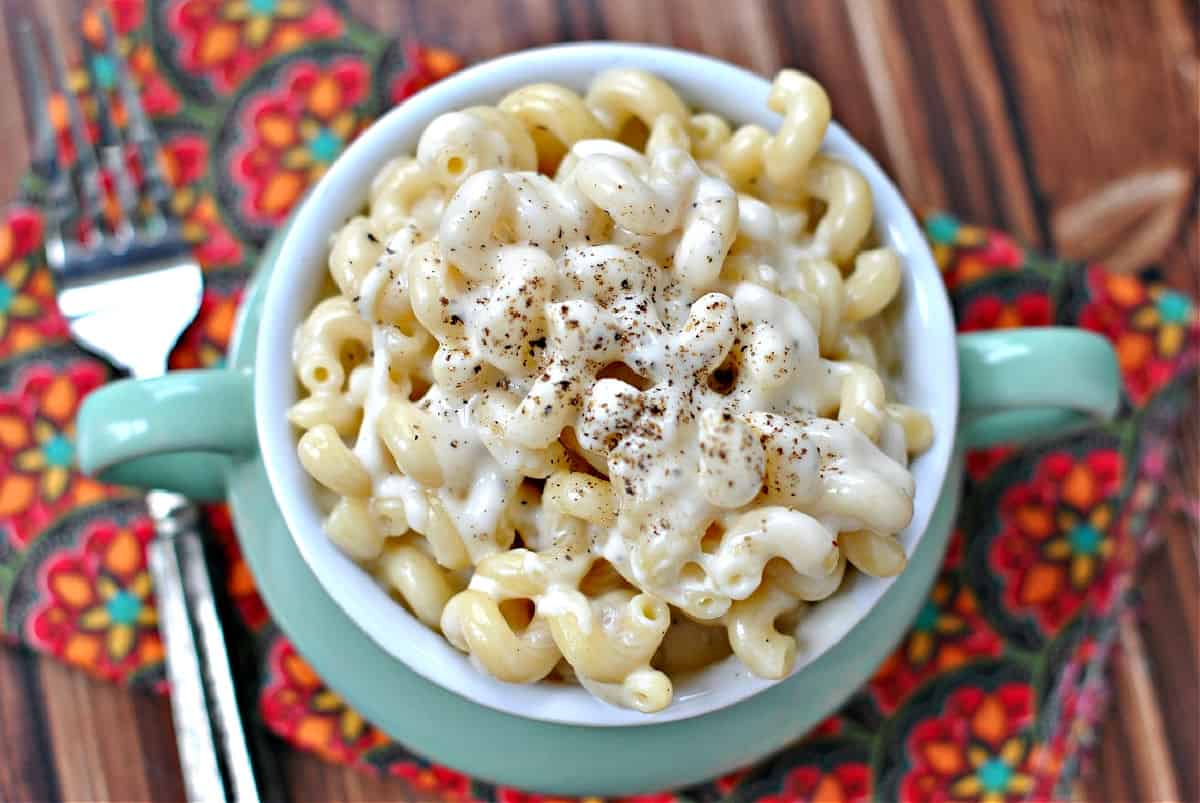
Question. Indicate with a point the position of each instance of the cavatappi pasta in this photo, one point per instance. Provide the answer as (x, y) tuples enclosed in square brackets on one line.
[(599, 389)]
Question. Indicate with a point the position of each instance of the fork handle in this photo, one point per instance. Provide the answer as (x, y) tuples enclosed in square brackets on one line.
[(196, 657)]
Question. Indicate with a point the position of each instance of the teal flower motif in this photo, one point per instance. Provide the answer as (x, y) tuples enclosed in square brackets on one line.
[(994, 776), (942, 228), (1085, 539), (123, 607), (17, 295), (1174, 307), (58, 451), (325, 146)]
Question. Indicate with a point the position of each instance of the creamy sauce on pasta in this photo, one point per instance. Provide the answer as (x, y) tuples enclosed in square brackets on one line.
[(603, 304), (673, 346)]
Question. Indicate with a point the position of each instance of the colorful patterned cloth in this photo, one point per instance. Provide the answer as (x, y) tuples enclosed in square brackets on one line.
[(992, 695)]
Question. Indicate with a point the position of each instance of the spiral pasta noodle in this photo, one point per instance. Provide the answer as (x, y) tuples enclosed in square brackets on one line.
[(602, 392)]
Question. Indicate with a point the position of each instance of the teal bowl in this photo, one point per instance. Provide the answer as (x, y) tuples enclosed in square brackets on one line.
[(222, 434)]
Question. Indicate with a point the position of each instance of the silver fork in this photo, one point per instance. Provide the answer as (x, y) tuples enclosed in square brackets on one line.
[(128, 291)]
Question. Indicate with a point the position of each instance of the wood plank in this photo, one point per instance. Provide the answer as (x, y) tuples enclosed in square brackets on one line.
[(946, 127), (1173, 666), (973, 139), (384, 17), (1108, 93), (476, 31), (26, 772), (735, 32), (12, 123), (156, 747), (542, 22), (107, 742), (452, 25), (1138, 707), (72, 725), (309, 779), (568, 20), (1181, 541), (1112, 778), (889, 76), (1102, 87)]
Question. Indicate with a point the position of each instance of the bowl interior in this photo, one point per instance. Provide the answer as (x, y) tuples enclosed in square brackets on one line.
[(928, 379)]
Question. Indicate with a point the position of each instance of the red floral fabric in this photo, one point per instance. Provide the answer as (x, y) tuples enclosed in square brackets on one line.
[(849, 782), (37, 426), (978, 747), (303, 710), (297, 132), (28, 314), (1153, 328), (98, 610), (1058, 547), (224, 40)]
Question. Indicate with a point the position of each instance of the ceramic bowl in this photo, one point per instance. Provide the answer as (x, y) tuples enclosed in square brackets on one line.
[(173, 432)]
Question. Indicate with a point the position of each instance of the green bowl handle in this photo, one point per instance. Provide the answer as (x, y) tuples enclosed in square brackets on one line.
[(177, 432), (1021, 384)]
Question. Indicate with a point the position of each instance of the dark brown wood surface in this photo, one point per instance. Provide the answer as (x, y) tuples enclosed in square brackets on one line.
[(1071, 123)]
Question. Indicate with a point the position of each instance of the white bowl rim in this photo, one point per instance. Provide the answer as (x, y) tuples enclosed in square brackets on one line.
[(930, 368)]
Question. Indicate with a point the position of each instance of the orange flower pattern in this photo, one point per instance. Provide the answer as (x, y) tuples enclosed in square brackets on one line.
[(966, 253), (38, 480), (978, 747), (506, 794), (301, 708), (948, 632), (184, 162), (297, 130), (28, 314), (1155, 330), (239, 582), (99, 611), (1044, 544), (993, 312), (432, 780), (420, 66), (846, 783), (225, 40), (204, 343), (1058, 548), (158, 97)]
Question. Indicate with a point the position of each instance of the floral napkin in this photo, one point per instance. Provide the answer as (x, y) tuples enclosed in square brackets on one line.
[(993, 694)]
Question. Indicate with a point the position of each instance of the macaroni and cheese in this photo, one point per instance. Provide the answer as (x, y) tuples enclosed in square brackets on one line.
[(599, 389)]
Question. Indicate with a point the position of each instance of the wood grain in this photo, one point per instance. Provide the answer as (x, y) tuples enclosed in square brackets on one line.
[(95, 730), (23, 731), (1137, 702), (1092, 138), (12, 123), (1167, 657), (1071, 123), (1113, 775)]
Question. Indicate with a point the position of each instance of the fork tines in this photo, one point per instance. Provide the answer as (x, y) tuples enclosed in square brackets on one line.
[(76, 200)]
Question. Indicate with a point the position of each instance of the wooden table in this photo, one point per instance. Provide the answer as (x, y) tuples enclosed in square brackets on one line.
[(1070, 123)]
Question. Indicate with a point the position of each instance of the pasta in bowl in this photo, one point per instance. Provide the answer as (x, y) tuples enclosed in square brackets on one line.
[(600, 385)]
